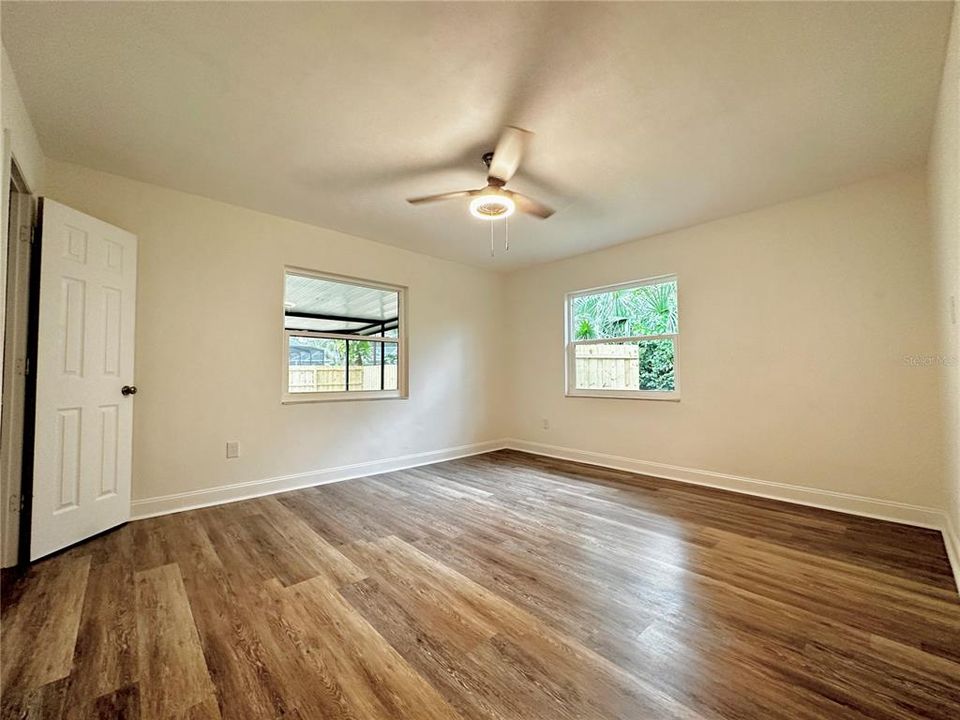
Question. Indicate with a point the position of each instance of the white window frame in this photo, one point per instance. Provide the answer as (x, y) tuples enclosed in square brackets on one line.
[(570, 364), (401, 393)]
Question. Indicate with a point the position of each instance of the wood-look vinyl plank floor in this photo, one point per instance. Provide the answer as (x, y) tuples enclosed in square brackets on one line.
[(494, 587)]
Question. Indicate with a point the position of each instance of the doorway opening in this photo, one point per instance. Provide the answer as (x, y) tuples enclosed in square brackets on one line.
[(16, 442)]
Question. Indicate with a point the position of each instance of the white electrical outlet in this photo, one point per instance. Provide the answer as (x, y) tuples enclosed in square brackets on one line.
[(233, 449), (546, 424)]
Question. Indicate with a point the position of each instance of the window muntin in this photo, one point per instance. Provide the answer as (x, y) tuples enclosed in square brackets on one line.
[(622, 340), (343, 338)]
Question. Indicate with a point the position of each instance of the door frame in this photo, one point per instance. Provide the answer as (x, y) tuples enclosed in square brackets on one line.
[(16, 417), (30, 391)]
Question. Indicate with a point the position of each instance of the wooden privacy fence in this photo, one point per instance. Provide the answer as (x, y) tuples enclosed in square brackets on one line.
[(331, 378), (608, 366)]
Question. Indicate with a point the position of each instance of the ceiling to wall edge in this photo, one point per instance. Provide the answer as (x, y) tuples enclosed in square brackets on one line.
[(504, 272), (667, 176), (501, 271)]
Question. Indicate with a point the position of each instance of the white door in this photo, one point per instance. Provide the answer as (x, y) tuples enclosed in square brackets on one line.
[(84, 410)]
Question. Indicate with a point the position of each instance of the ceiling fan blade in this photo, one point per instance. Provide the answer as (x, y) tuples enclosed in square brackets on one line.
[(441, 196), (530, 206), (508, 153)]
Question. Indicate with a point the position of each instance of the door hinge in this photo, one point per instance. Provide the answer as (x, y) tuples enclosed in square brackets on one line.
[(15, 504), (22, 366), (25, 234)]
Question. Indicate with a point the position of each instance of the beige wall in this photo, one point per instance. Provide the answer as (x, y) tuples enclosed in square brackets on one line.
[(23, 140), (209, 336), (944, 184), (795, 323)]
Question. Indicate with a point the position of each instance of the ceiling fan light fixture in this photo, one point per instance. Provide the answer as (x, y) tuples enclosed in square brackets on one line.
[(492, 206), (495, 201)]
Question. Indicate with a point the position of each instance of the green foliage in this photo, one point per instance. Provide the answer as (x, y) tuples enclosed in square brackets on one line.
[(585, 330), (367, 352), (361, 352), (645, 310), (656, 365)]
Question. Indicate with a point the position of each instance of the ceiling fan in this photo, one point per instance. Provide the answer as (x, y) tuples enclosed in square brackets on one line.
[(494, 201)]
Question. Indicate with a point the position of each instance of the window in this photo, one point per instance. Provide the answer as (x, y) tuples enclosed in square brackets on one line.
[(342, 338), (623, 341)]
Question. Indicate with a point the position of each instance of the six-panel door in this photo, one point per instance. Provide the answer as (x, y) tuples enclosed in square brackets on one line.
[(85, 352)]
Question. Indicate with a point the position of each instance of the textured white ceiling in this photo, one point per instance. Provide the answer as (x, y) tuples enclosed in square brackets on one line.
[(649, 116)]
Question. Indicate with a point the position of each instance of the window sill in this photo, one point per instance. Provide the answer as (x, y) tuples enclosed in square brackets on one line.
[(625, 395), (298, 398)]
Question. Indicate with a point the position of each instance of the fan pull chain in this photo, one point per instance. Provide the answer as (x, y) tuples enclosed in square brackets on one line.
[(506, 234)]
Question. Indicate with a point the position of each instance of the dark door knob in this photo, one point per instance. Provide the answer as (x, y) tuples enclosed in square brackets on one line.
[(128, 390)]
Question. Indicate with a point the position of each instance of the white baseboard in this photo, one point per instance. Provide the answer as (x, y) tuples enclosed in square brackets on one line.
[(889, 510), (192, 499), (826, 499)]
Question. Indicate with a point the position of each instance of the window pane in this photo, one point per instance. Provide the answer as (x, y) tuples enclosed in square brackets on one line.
[(367, 372), (643, 310), (390, 366), (321, 365), (317, 365), (643, 365), (338, 306)]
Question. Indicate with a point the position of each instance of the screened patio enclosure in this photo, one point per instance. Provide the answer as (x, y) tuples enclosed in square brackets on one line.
[(342, 336)]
